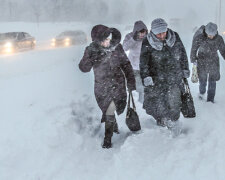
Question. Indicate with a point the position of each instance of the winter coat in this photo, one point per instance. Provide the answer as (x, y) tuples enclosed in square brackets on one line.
[(204, 52), (167, 64), (111, 67), (134, 46)]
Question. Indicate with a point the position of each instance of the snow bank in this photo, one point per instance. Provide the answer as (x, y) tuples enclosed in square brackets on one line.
[(50, 124)]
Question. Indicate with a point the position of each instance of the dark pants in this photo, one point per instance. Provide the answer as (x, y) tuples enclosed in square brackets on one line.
[(211, 86)]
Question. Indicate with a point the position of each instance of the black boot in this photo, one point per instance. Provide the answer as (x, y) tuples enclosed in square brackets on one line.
[(107, 143), (109, 124), (210, 100), (115, 128)]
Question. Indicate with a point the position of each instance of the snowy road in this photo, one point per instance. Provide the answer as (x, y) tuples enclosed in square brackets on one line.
[(50, 126)]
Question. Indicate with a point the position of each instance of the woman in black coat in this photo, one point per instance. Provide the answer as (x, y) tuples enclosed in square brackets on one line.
[(163, 65), (112, 70), (204, 55)]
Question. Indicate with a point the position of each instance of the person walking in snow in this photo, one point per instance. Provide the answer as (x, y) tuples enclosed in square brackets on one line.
[(132, 43), (111, 68), (163, 66), (204, 57)]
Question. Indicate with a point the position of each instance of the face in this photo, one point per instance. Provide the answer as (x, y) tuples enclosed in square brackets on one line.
[(106, 43), (161, 36), (210, 37), (141, 34)]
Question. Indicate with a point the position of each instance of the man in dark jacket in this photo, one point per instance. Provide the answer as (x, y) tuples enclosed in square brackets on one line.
[(111, 67), (163, 65), (132, 43), (206, 42)]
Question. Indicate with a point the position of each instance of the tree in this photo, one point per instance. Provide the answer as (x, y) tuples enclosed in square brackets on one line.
[(36, 9)]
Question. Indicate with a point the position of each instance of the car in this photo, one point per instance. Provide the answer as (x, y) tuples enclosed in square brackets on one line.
[(16, 41), (68, 38)]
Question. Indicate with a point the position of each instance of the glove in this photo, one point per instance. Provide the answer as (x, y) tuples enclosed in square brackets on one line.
[(97, 55), (148, 81)]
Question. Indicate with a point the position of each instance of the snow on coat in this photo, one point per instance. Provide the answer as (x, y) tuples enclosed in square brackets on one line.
[(111, 68), (204, 52), (167, 67)]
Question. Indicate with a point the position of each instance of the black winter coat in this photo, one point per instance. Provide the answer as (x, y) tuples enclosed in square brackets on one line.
[(166, 67), (112, 70), (204, 52)]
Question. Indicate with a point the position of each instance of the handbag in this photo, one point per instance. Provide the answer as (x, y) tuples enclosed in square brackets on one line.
[(132, 119), (194, 75), (187, 107)]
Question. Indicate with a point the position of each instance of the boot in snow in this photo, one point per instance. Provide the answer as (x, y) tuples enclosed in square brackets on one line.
[(174, 127), (162, 122), (212, 101), (107, 143), (115, 128), (109, 124)]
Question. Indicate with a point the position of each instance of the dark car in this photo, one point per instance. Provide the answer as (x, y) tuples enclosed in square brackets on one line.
[(68, 38), (15, 41)]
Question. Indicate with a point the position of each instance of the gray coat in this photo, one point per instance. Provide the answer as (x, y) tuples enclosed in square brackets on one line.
[(112, 70), (204, 52), (134, 46)]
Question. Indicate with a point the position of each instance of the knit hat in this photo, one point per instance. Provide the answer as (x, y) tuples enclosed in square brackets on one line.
[(211, 29), (159, 26)]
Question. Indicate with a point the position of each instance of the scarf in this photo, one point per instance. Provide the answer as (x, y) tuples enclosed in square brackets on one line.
[(158, 44)]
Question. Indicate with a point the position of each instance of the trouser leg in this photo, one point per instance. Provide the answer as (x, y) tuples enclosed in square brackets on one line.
[(202, 83), (211, 91)]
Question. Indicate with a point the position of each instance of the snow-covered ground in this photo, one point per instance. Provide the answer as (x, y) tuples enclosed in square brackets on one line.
[(50, 123)]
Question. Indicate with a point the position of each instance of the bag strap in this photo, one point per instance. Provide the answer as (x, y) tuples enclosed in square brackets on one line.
[(132, 99), (128, 106)]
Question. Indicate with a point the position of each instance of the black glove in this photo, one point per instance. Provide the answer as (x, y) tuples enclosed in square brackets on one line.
[(97, 55)]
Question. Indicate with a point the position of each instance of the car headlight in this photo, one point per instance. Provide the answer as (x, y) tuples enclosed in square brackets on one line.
[(8, 45), (67, 39), (67, 43), (53, 40), (223, 33)]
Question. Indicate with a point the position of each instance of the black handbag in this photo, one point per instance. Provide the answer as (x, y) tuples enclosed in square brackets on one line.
[(132, 119), (187, 107)]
